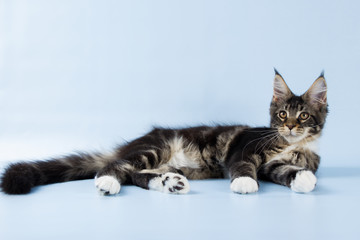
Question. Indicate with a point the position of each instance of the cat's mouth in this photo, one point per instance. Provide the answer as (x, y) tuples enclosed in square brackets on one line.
[(294, 135)]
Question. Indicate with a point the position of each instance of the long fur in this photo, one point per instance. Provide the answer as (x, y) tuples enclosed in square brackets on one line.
[(162, 158)]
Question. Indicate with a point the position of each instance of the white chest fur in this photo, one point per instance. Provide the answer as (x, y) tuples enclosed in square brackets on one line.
[(312, 146)]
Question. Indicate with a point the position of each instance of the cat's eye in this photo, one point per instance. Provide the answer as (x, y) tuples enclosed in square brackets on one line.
[(282, 114), (304, 115)]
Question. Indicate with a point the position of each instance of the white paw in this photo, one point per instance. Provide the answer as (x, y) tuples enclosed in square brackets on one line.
[(107, 185), (244, 185), (170, 183), (304, 181)]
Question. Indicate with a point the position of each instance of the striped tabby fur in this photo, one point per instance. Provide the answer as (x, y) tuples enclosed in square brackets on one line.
[(163, 159)]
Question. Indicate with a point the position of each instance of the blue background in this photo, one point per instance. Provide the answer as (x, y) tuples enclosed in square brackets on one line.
[(83, 75), (87, 75)]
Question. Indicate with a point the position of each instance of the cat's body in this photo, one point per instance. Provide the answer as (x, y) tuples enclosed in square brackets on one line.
[(164, 159)]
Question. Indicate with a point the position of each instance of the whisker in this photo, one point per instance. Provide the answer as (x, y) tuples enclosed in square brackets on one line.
[(243, 150), (270, 137), (266, 138), (268, 143)]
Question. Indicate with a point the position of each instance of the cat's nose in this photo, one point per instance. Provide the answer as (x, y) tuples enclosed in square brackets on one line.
[(290, 126)]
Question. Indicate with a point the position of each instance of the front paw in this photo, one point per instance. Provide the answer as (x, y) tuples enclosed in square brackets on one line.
[(304, 181), (244, 185)]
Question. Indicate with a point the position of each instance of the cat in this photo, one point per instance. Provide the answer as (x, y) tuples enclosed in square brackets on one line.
[(164, 159)]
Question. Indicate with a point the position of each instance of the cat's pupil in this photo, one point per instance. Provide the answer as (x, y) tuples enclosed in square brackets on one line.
[(304, 116), (283, 114)]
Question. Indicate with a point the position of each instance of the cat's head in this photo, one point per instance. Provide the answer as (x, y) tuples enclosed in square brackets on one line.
[(299, 117)]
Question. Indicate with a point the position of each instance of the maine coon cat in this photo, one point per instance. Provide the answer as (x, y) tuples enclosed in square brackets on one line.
[(162, 160)]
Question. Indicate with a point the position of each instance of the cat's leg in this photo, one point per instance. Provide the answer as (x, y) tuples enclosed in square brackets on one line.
[(134, 157), (299, 179), (243, 175), (161, 180)]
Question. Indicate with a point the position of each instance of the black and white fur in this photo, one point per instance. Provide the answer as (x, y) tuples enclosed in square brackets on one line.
[(164, 159)]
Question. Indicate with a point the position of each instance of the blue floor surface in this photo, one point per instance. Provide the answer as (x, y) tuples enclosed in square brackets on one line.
[(74, 210)]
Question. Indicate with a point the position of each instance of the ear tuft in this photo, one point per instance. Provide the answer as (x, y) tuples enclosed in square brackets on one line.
[(317, 93), (276, 72), (281, 90)]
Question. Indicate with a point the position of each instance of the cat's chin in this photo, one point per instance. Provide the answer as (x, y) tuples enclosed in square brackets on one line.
[(293, 138)]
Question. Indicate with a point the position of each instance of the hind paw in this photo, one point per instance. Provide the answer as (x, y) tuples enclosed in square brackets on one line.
[(107, 185), (170, 183)]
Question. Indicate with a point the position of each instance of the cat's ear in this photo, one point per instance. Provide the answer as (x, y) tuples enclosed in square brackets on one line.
[(317, 93), (281, 91)]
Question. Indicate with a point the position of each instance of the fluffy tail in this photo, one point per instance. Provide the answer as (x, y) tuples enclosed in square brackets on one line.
[(20, 178)]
